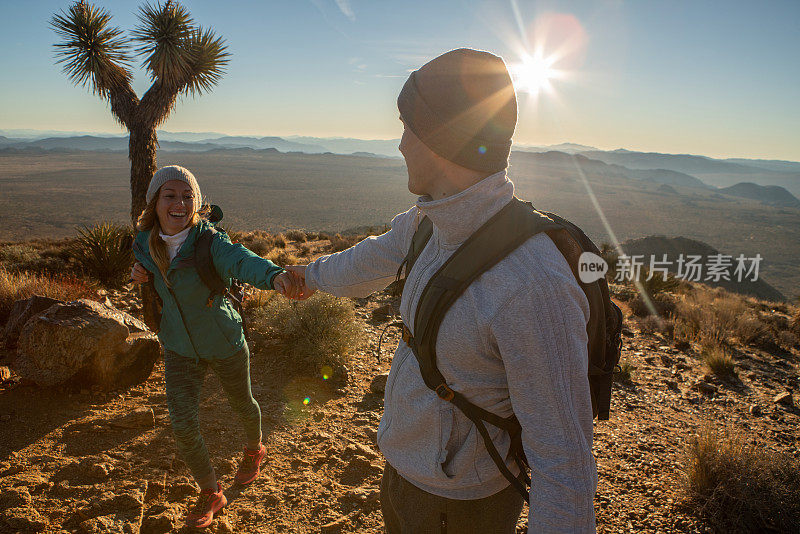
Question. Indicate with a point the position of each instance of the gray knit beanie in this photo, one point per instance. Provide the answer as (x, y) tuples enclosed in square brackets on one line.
[(174, 172), (462, 106)]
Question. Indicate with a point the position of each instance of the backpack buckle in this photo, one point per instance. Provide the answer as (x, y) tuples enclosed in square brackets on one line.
[(406, 336), (444, 392)]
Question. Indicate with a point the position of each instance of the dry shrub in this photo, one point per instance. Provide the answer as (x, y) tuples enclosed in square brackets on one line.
[(796, 323), (310, 335), (624, 374), (710, 316), (18, 256), (719, 361), (283, 258), (259, 241), (304, 250), (258, 299), (339, 242), (663, 303), (653, 324), (21, 285), (296, 235), (280, 241), (740, 487), (788, 340)]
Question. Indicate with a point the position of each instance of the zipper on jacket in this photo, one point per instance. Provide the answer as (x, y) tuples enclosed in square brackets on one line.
[(183, 321)]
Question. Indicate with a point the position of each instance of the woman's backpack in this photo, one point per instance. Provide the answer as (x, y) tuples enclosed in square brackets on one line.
[(202, 261)]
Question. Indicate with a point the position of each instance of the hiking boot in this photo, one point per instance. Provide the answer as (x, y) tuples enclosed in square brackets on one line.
[(250, 465), (208, 503)]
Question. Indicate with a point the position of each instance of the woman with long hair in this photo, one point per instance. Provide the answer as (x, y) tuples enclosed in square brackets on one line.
[(198, 332)]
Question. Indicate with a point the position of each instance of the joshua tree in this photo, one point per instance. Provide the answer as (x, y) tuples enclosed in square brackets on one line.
[(179, 56)]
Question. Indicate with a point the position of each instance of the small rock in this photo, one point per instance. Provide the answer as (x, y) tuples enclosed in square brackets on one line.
[(755, 410), (22, 520), (784, 398), (666, 360), (627, 332), (101, 470), (5, 373), (671, 384), (14, 497), (664, 347), (221, 526), (706, 388), (378, 384), (382, 313), (650, 359)]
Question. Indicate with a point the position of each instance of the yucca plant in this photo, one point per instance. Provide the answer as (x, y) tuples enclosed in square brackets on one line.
[(179, 56), (104, 252)]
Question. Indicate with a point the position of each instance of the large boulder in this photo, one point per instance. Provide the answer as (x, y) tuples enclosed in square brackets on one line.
[(86, 342), (20, 313)]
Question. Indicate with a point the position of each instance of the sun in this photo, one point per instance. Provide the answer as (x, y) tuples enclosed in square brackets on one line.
[(533, 74)]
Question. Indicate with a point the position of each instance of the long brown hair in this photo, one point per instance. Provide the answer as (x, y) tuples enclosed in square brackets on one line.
[(148, 220)]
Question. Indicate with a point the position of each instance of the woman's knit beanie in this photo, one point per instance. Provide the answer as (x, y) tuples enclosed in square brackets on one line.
[(174, 172), (462, 106)]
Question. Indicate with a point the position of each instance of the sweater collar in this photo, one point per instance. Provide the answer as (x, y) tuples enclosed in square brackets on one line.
[(458, 216)]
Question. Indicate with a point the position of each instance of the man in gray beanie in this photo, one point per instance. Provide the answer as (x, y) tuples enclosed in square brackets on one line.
[(514, 342)]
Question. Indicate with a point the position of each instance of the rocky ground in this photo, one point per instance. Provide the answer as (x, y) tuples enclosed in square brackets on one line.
[(90, 461)]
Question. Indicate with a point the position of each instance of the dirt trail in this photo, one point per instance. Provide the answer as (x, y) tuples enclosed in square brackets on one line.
[(105, 462)]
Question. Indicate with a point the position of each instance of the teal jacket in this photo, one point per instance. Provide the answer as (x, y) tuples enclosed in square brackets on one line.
[(203, 332)]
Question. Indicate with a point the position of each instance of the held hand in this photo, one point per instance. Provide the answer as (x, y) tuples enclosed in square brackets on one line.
[(139, 274), (287, 285), (299, 271)]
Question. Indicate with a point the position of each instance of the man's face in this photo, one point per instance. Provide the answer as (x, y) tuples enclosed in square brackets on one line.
[(420, 163)]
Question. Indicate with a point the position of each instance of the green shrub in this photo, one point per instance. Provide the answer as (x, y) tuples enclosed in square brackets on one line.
[(741, 487), (21, 285), (310, 335), (104, 252)]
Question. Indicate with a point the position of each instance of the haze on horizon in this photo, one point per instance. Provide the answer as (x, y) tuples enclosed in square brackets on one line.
[(655, 77)]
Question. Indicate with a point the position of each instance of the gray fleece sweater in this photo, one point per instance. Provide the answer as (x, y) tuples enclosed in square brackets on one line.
[(514, 341)]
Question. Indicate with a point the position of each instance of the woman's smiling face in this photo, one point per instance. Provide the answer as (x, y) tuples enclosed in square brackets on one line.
[(175, 207)]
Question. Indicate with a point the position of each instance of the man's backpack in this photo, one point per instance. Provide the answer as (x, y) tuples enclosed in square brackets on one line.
[(204, 264), (498, 237)]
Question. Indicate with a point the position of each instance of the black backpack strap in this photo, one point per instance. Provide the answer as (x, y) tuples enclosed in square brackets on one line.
[(499, 236), (421, 237), (496, 239), (204, 264)]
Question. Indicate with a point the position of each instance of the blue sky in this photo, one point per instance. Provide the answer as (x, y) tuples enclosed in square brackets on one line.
[(718, 78)]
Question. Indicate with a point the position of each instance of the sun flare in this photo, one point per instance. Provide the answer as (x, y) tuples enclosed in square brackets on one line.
[(533, 74)]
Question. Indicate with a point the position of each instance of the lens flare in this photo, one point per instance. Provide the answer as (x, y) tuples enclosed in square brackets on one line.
[(327, 372), (307, 401)]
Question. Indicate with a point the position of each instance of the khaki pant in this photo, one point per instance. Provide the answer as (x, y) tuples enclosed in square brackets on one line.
[(410, 510)]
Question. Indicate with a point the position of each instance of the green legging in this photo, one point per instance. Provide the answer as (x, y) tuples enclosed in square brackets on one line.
[(184, 377)]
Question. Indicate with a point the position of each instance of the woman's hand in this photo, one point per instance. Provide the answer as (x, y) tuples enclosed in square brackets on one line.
[(139, 274)]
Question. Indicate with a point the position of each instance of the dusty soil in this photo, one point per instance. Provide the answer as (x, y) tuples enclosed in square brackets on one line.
[(87, 461)]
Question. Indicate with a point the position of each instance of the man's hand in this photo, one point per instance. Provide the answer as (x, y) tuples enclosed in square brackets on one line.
[(288, 285), (300, 272), (139, 274)]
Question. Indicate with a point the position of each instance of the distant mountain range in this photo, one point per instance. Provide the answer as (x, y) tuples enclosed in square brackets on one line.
[(773, 182)]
